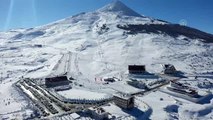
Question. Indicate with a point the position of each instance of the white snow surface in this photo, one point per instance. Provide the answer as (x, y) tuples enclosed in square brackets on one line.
[(82, 94), (97, 53)]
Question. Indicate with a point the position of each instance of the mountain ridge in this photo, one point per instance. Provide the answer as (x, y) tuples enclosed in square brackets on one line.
[(98, 34), (117, 10)]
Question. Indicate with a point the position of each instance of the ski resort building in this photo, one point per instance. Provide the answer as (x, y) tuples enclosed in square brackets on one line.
[(56, 81), (178, 85), (169, 69), (124, 101), (98, 113), (136, 69), (180, 88)]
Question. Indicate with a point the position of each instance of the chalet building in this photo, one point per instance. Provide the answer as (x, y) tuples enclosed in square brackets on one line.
[(136, 69), (169, 69), (124, 101), (56, 81), (98, 113)]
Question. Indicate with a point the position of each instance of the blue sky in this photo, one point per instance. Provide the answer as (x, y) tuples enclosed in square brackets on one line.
[(30, 13)]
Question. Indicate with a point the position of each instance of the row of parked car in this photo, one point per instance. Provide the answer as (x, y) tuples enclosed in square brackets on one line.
[(40, 98), (37, 105)]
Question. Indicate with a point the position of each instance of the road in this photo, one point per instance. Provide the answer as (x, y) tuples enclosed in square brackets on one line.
[(49, 105)]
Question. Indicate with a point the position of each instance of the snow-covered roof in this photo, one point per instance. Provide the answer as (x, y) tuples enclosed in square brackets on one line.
[(75, 115), (123, 96)]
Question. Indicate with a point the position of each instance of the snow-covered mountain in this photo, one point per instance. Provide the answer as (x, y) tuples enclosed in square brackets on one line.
[(103, 43), (109, 39)]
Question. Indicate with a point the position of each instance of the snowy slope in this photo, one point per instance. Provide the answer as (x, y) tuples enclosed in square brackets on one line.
[(100, 48)]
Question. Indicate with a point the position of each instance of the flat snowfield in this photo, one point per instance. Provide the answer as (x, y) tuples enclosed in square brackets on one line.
[(12, 103), (82, 94)]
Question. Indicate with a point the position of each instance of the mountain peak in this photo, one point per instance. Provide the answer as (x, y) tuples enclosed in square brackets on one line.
[(119, 7)]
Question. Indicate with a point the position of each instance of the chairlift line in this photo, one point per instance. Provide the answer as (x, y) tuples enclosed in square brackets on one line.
[(69, 62)]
